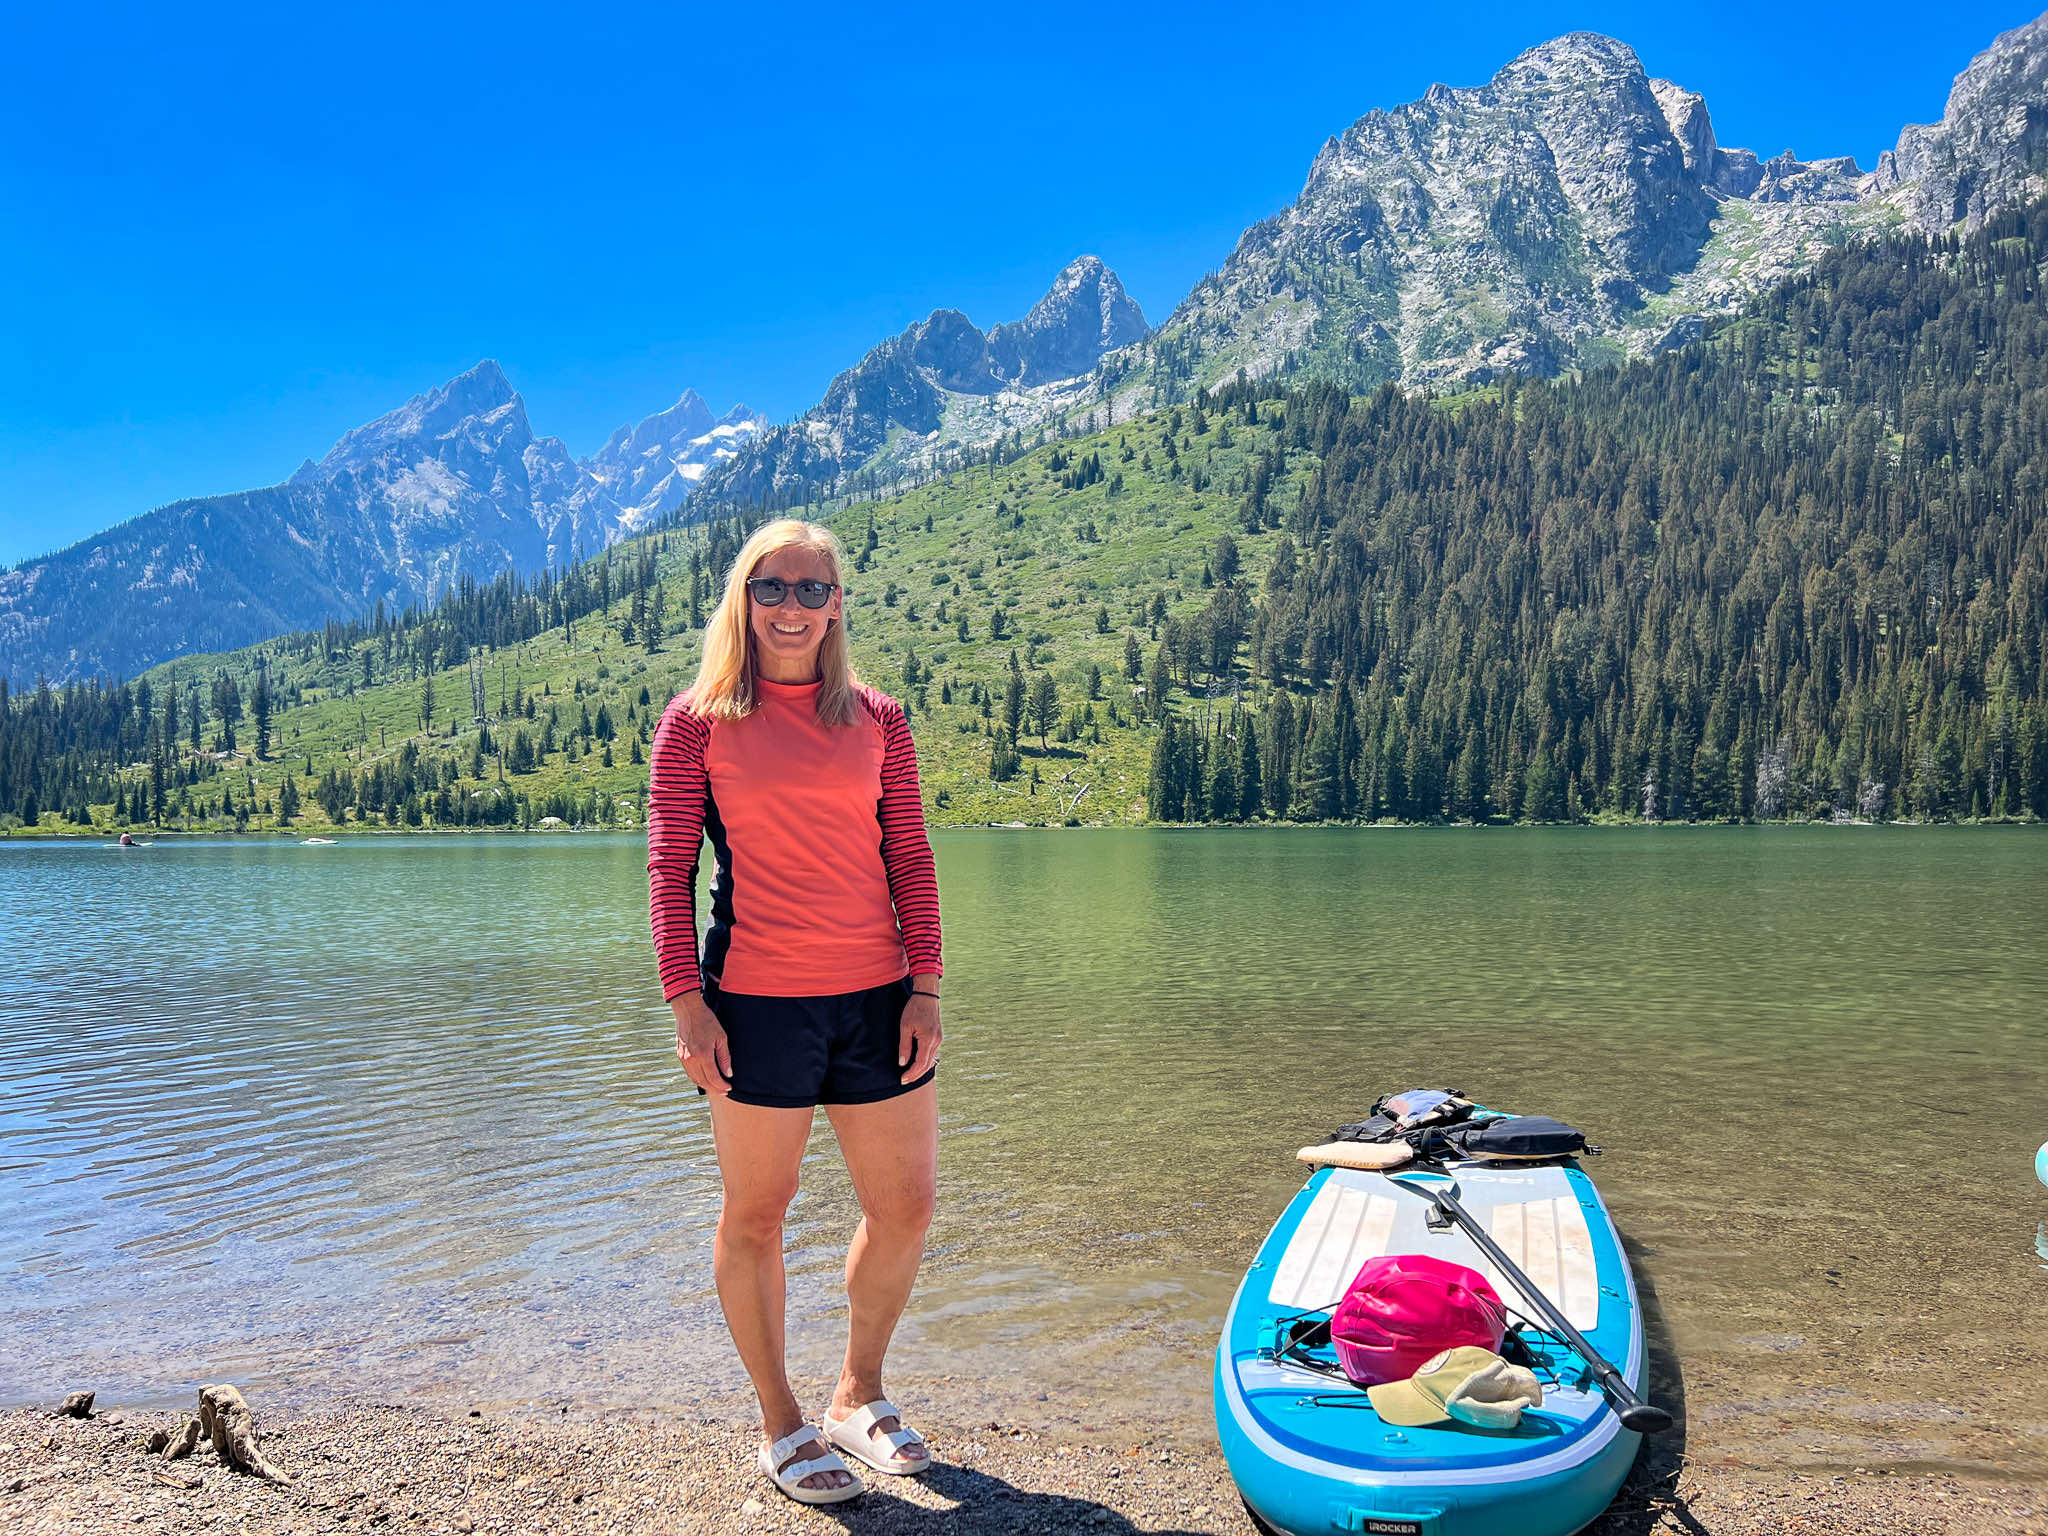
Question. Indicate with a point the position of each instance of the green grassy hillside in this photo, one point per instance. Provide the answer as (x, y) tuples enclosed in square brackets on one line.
[(1792, 571), (1063, 565)]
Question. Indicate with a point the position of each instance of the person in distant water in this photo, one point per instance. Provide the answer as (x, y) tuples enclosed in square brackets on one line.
[(127, 839), (818, 982)]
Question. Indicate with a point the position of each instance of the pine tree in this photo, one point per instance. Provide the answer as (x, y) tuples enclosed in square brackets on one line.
[(1224, 795), (1322, 777), (1469, 790), (260, 705), (1250, 787), (1013, 703), (1045, 705), (655, 620), (1278, 771), (1003, 758), (1539, 788), (2033, 756), (227, 706), (1167, 789)]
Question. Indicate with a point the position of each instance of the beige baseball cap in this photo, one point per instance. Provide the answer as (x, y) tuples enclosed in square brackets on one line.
[(1472, 1385)]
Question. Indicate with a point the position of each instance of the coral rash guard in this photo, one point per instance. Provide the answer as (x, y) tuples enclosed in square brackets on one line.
[(823, 880)]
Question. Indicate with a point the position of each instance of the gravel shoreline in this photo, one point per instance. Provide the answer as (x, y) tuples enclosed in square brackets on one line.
[(389, 1468)]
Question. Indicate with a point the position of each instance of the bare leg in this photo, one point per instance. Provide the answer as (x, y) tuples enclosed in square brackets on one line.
[(759, 1150), (892, 1152)]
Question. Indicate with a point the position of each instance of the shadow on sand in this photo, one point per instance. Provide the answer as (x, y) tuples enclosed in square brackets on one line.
[(1649, 1496), (985, 1504)]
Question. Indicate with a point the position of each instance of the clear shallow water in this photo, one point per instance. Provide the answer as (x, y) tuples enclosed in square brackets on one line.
[(403, 1116)]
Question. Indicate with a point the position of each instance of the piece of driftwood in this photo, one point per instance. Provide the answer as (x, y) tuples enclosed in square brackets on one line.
[(228, 1421), (77, 1406)]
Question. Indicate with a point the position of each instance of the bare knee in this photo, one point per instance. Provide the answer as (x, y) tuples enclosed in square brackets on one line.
[(755, 1219), (905, 1210)]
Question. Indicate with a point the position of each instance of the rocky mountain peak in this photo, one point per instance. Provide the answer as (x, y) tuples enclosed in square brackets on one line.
[(651, 466), (952, 351), (452, 484), (943, 385), (1570, 210), (482, 395), (1990, 146), (1084, 314), (1575, 60), (689, 417), (482, 389), (690, 411)]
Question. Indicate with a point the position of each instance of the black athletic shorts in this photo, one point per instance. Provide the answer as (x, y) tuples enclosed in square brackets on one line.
[(796, 1052)]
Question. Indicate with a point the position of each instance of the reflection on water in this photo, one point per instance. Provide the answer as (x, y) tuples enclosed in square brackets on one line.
[(404, 1115)]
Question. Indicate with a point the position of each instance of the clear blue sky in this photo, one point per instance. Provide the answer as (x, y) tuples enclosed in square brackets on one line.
[(228, 237)]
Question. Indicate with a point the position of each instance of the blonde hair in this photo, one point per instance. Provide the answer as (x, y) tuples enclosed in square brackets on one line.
[(724, 688)]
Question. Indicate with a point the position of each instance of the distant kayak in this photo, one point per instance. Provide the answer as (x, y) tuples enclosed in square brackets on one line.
[(317, 842), (127, 845)]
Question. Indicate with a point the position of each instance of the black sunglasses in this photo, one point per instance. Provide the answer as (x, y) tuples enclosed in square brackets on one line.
[(769, 591)]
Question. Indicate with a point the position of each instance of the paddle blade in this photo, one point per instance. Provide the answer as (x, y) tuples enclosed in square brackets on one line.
[(1645, 1419)]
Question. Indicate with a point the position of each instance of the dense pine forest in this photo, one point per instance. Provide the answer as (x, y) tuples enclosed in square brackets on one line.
[(1796, 569), (1799, 568)]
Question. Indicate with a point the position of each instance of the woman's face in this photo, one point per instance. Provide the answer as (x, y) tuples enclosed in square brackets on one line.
[(786, 639)]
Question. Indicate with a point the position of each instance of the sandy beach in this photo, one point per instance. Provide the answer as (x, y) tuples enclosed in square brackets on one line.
[(395, 1468)]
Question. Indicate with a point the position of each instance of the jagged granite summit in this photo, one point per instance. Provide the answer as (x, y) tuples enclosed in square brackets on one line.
[(1083, 315), (453, 483), (941, 386), (1569, 211)]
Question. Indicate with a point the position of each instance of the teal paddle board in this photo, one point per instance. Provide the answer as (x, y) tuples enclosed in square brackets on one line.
[(1307, 1451)]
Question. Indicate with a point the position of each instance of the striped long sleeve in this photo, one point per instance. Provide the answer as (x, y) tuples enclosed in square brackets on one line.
[(676, 791), (906, 847)]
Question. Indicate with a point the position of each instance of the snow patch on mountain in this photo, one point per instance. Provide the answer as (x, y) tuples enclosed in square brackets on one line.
[(649, 469)]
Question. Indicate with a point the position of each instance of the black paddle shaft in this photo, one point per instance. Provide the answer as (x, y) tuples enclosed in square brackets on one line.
[(1642, 1417)]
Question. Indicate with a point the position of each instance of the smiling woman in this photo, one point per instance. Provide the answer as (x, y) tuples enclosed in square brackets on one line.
[(818, 978)]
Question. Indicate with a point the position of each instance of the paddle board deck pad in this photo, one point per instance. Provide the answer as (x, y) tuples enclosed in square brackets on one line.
[(1308, 1452)]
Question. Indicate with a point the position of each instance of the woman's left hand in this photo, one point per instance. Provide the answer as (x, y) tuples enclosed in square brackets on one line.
[(918, 1036)]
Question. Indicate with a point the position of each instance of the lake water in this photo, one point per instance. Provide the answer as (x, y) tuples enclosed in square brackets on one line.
[(403, 1116)]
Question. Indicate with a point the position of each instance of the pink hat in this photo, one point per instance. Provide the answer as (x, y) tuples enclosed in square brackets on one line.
[(1403, 1309)]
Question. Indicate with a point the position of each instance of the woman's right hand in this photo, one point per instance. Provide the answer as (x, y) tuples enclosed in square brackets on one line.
[(701, 1044)]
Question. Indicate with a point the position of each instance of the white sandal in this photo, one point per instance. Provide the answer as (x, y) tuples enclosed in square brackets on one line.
[(854, 1435), (790, 1479)]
